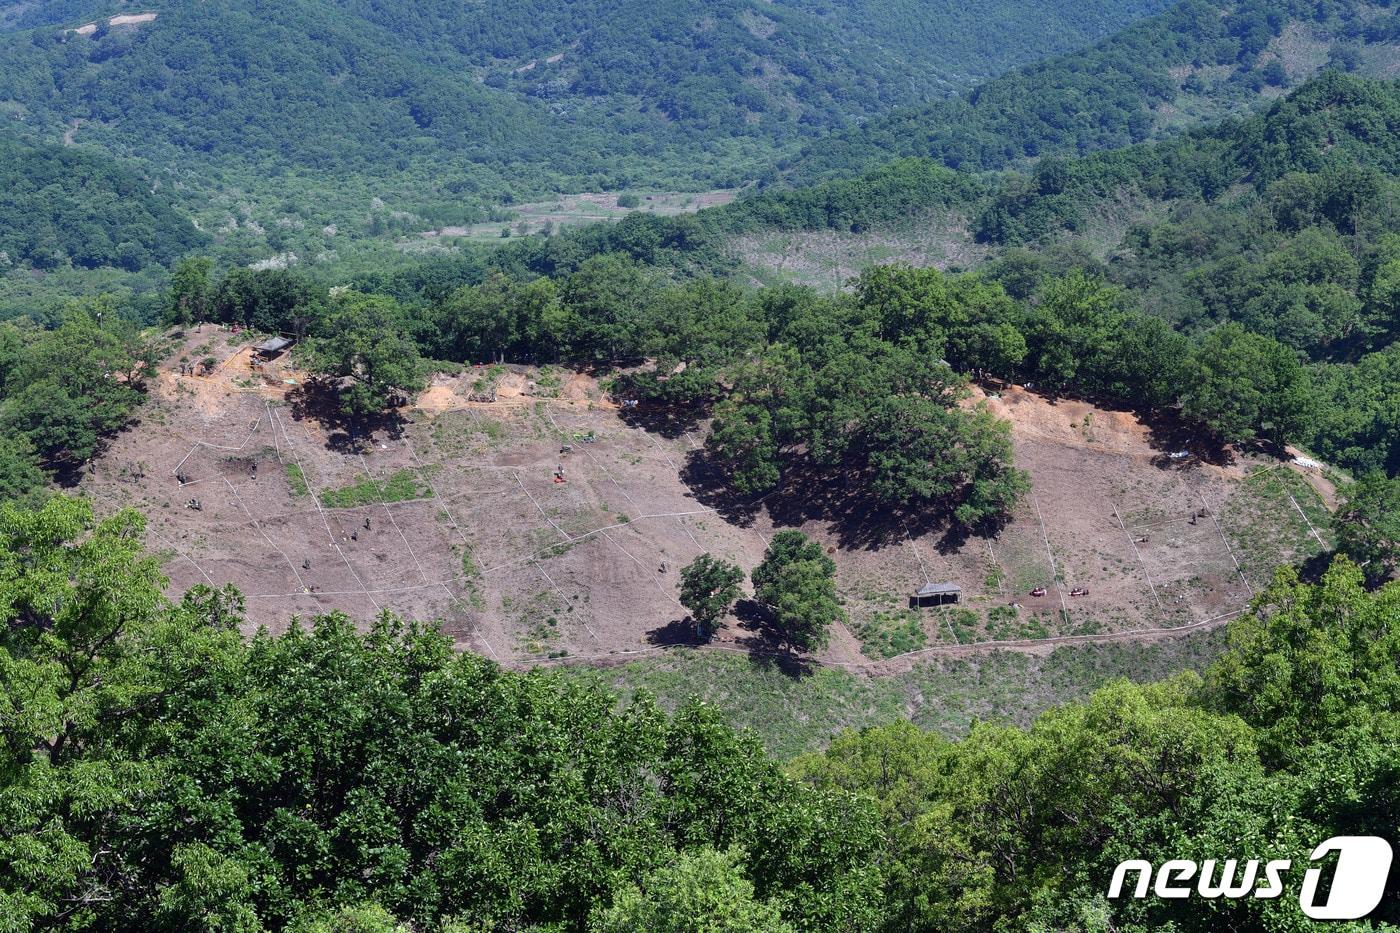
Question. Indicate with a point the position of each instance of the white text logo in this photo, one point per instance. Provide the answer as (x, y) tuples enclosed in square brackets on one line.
[(1363, 864)]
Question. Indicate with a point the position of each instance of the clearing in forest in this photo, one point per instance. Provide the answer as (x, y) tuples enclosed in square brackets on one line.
[(454, 514)]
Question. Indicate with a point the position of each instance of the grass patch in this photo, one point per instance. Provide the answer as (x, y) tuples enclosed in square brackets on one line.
[(548, 383), (400, 487), (1265, 527), (1004, 623), (486, 384), (538, 621), (493, 429), (297, 480), (471, 581), (886, 634), (795, 714), (963, 623), (457, 434)]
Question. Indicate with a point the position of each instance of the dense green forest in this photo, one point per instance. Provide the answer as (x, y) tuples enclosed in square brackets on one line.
[(450, 107), (1197, 62), (62, 206), (1282, 225), (65, 389), (159, 772), (397, 119)]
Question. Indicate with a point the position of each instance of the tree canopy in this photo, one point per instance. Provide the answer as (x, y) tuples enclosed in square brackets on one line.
[(61, 206), (63, 391), (362, 349), (796, 581), (709, 587), (1368, 525), (157, 770)]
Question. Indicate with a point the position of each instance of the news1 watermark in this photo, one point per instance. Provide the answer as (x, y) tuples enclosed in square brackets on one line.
[(1358, 879)]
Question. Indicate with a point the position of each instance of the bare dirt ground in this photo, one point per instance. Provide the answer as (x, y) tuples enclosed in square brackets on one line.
[(121, 19), (528, 570)]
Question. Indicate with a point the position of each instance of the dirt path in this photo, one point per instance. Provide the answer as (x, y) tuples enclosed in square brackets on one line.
[(903, 663)]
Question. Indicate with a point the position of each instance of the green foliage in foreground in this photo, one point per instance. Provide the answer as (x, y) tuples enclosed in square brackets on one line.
[(159, 772), (1290, 738), (705, 891)]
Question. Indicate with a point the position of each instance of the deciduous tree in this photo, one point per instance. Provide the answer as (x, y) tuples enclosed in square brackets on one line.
[(1368, 525), (363, 348), (796, 581), (702, 891), (709, 586)]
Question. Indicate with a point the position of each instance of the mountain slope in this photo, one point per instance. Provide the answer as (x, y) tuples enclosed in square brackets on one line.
[(1196, 63), (539, 94), (62, 206), (1281, 224)]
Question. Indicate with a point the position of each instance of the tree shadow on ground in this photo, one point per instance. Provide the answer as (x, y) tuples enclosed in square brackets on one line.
[(765, 645), (671, 422), (1168, 433), (318, 400), (1313, 569), (676, 633), (68, 472), (836, 498), (69, 475), (710, 486)]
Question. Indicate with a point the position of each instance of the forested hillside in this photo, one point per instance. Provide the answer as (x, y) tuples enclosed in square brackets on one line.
[(492, 101), (1196, 63), (288, 127), (1281, 224), (160, 773), (61, 206)]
